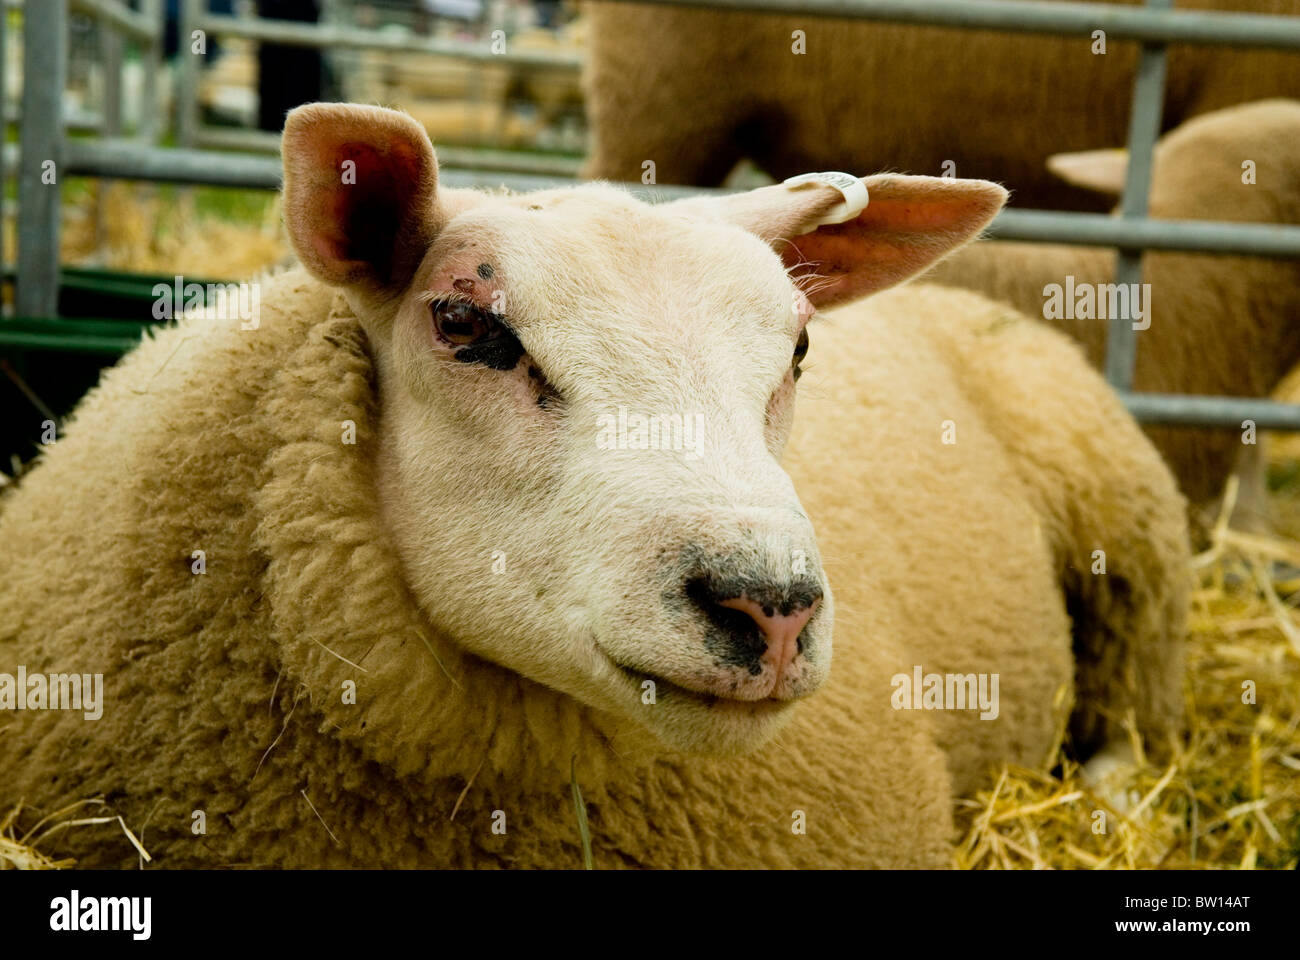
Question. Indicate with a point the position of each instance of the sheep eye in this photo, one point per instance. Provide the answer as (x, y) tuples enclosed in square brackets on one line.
[(800, 351), (461, 324), (478, 336)]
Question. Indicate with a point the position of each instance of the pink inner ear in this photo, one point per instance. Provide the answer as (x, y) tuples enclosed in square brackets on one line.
[(362, 219), (890, 241), (360, 193), (358, 221), (828, 264)]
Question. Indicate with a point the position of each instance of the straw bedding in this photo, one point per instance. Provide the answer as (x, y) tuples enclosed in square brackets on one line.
[(1229, 797)]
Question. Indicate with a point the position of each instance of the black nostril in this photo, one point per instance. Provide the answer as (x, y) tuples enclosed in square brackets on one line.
[(737, 638), (742, 642)]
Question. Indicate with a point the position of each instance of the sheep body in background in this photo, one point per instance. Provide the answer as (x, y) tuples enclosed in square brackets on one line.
[(1220, 325), (694, 91)]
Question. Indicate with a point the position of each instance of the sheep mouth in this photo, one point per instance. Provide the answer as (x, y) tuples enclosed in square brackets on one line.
[(710, 701)]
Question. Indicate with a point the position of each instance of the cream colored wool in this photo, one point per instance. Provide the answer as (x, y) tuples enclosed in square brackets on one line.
[(694, 91), (225, 690), (1222, 325)]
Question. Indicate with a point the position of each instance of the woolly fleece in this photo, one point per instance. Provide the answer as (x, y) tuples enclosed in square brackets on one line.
[(225, 690)]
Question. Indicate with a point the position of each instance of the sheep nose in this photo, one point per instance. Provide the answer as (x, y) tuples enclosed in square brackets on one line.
[(762, 624), (780, 630)]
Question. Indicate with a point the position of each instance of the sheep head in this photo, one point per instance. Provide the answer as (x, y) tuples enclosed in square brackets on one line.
[(583, 404)]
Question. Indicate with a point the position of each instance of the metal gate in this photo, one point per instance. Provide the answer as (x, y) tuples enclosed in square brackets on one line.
[(1154, 26)]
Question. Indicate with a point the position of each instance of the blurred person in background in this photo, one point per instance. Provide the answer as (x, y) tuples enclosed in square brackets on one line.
[(287, 76)]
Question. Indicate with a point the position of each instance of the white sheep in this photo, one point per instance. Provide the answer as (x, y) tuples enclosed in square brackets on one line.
[(371, 583)]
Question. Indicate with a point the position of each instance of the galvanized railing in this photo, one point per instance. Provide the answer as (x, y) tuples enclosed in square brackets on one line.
[(191, 132), (1154, 25)]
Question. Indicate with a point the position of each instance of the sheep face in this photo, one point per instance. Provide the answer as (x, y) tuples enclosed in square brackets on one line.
[(583, 403), (582, 460)]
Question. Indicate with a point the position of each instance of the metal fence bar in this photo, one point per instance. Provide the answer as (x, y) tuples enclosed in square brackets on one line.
[(131, 160), (1176, 409), (187, 75), (465, 158), (111, 50), (1146, 109), (151, 62), (44, 66), (24, 339), (75, 118), (1211, 28), (335, 36), (124, 20), (1191, 236)]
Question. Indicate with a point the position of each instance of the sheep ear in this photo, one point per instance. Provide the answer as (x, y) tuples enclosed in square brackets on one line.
[(360, 194), (859, 236), (1100, 170)]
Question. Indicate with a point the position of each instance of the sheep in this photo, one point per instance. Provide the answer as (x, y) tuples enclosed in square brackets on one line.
[(370, 584), (1218, 324), (694, 91)]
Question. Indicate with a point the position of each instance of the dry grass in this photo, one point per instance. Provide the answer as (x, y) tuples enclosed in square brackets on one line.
[(144, 228), (23, 852), (147, 229), (1230, 797)]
